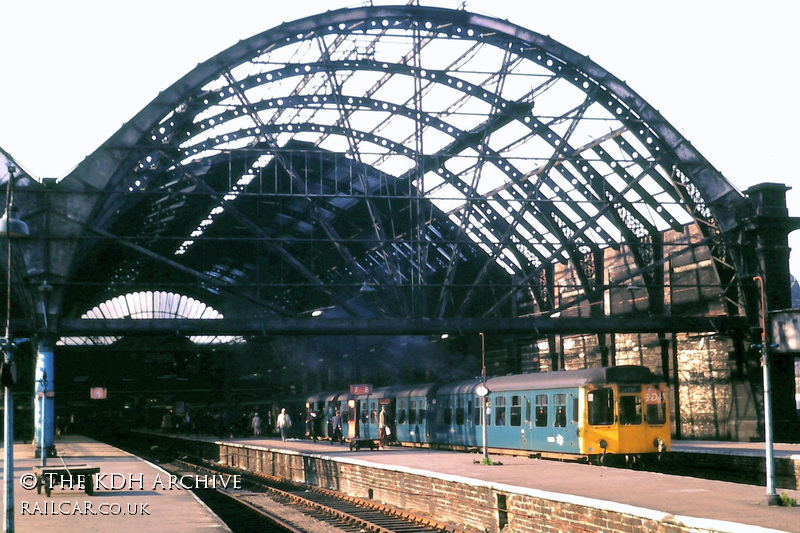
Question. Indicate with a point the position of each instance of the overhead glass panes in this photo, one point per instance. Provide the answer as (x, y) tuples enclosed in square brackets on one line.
[(532, 157)]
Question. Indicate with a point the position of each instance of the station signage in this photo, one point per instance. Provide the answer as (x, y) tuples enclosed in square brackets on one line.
[(98, 393), (358, 390)]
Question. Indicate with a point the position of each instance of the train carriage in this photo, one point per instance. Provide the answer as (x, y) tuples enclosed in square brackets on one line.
[(325, 405), (411, 423), (456, 422), (591, 413), (365, 409), (535, 413)]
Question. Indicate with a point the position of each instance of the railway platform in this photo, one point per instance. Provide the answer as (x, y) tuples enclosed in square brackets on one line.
[(707, 505), (129, 494)]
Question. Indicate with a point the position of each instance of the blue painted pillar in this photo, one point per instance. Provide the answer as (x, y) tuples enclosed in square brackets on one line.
[(44, 400)]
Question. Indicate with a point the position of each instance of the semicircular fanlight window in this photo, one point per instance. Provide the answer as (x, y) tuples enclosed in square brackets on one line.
[(147, 305)]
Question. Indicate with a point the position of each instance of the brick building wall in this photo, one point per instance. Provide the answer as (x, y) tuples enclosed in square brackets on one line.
[(719, 397)]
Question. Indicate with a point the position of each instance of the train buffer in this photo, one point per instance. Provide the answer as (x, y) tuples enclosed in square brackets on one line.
[(65, 476)]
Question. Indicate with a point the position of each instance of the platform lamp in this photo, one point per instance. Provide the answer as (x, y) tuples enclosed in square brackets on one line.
[(9, 227), (772, 497), (482, 391)]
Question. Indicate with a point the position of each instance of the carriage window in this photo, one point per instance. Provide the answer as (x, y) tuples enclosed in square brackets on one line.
[(527, 410), (447, 408), (541, 410), (630, 410), (421, 412), (373, 413), (656, 412), (459, 411), (364, 413), (575, 409), (412, 411), (500, 411), (560, 410), (516, 411), (401, 411), (601, 407), (476, 416)]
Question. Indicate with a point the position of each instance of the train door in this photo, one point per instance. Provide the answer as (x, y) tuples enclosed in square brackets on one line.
[(465, 421), (526, 432), (599, 434), (571, 421), (401, 423), (433, 430), (350, 426), (331, 406), (317, 419), (630, 416), (390, 419), (368, 419), (417, 423)]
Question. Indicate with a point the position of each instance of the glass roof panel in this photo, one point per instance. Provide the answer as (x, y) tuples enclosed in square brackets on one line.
[(287, 53), (508, 134), (368, 120), (556, 99), (467, 114), (462, 161), (491, 178), (370, 67), (359, 83), (438, 98), (434, 140), (441, 53)]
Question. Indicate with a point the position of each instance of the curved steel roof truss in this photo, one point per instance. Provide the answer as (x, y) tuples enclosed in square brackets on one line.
[(433, 153)]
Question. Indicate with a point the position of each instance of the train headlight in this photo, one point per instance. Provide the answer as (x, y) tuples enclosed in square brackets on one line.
[(603, 444), (659, 444)]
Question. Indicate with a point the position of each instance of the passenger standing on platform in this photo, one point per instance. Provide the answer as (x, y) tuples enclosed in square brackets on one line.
[(256, 423), (312, 424), (284, 423), (269, 423), (336, 427), (382, 427)]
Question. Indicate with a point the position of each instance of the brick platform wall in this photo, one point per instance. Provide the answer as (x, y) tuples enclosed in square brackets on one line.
[(461, 502)]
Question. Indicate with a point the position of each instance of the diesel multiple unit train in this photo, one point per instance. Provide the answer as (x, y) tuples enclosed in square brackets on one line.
[(589, 414)]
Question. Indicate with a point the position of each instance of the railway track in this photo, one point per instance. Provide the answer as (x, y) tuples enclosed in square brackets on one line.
[(271, 505)]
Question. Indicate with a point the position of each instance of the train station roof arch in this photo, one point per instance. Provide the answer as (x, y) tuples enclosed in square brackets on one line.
[(375, 163)]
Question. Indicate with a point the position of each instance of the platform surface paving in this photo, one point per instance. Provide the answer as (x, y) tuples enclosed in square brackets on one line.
[(731, 506), (120, 504)]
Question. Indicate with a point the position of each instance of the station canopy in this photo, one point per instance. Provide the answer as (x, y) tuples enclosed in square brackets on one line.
[(392, 162)]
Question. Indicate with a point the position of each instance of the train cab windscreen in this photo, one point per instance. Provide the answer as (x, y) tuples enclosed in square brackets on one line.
[(601, 407), (630, 410), (656, 406)]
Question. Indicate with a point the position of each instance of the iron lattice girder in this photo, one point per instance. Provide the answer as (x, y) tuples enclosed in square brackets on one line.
[(511, 111), (113, 167), (360, 18), (362, 326)]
